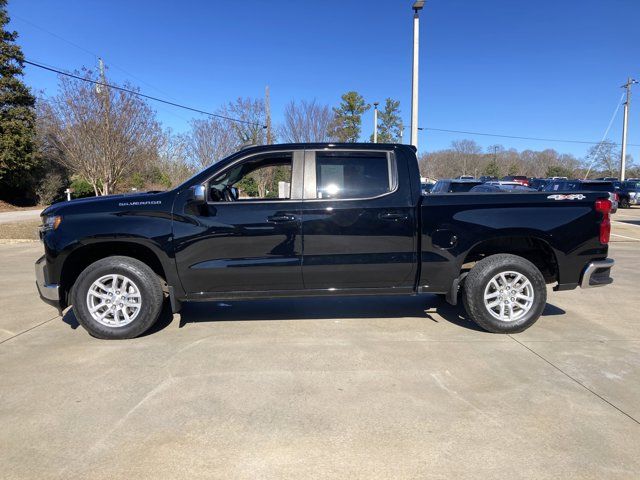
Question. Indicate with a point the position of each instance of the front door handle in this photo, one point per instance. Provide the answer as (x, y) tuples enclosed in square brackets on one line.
[(281, 218), (393, 216)]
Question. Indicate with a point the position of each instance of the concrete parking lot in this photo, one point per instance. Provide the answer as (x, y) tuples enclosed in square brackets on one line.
[(347, 388)]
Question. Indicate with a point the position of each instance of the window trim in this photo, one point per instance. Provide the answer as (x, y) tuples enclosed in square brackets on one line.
[(297, 166), (310, 180)]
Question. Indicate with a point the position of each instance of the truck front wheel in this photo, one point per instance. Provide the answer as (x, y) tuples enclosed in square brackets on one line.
[(117, 297), (504, 293)]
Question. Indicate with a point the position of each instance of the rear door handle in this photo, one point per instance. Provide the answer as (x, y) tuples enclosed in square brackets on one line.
[(393, 216), (281, 218)]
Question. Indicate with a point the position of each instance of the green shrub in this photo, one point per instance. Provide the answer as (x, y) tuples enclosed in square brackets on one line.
[(80, 188)]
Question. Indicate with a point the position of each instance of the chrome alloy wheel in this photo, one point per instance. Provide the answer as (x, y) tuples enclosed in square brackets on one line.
[(508, 296), (114, 300)]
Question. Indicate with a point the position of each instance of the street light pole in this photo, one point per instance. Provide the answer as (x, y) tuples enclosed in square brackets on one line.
[(417, 6), (623, 153), (375, 122)]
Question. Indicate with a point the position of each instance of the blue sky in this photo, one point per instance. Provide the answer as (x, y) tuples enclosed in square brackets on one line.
[(526, 68)]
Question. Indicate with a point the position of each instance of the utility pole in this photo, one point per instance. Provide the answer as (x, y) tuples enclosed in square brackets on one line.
[(623, 154), (267, 107), (375, 122), (417, 6)]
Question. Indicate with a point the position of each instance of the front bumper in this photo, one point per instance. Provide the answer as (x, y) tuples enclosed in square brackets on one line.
[(49, 292), (597, 273)]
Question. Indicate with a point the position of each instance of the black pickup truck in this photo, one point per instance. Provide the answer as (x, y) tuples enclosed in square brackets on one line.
[(346, 219)]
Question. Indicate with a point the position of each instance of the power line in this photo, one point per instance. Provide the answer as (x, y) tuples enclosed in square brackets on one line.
[(156, 99), (79, 47), (133, 92), (606, 132), (89, 52), (484, 134)]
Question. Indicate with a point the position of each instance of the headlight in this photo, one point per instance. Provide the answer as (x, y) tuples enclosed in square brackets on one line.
[(51, 222)]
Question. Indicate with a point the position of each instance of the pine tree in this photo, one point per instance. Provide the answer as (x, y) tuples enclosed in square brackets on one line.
[(17, 114), (389, 122), (492, 168), (348, 118)]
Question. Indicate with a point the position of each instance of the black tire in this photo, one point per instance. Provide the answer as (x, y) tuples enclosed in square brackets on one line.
[(147, 282), (478, 279), (625, 204)]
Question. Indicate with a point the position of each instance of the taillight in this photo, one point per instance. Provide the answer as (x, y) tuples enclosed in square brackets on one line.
[(616, 197), (604, 207)]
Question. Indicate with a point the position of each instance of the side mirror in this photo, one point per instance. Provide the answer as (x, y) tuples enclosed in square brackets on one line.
[(198, 194)]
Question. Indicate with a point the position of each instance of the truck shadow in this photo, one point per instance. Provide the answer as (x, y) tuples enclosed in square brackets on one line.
[(428, 307)]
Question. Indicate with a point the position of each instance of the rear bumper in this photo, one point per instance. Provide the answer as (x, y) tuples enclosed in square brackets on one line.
[(597, 273), (49, 292)]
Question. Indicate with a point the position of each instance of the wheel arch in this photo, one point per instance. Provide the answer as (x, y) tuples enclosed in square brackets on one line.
[(534, 248), (83, 256)]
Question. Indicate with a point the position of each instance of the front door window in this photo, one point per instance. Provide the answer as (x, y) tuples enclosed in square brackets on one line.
[(265, 178)]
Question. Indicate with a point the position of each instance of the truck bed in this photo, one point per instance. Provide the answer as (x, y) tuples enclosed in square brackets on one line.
[(458, 228)]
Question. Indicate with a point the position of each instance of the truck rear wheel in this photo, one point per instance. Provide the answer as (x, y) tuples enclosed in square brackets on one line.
[(504, 293), (117, 297)]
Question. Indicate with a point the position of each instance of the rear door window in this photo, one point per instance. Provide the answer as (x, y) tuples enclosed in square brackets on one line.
[(354, 174)]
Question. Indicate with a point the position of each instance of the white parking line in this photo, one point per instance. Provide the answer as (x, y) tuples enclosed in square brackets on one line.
[(625, 223), (623, 236)]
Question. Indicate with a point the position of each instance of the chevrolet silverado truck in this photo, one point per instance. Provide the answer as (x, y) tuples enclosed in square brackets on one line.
[(318, 220)]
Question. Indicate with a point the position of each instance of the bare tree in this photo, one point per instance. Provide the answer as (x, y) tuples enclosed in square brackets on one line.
[(465, 153), (173, 160), (208, 141), (465, 157), (100, 134), (250, 124), (306, 122), (212, 139), (604, 157)]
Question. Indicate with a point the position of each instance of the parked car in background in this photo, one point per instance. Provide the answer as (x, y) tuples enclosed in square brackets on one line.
[(633, 187), (562, 186), (426, 187), (539, 183), (624, 195), (497, 187), (522, 179), (487, 178), (454, 185)]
